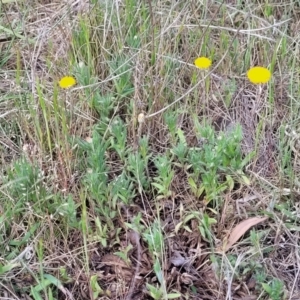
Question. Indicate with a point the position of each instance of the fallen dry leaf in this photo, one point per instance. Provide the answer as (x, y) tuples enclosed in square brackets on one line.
[(177, 259), (117, 266), (239, 230)]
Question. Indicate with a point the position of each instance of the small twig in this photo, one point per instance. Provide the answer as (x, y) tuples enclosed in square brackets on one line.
[(10, 291), (137, 269), (7, 113), (136, 237)]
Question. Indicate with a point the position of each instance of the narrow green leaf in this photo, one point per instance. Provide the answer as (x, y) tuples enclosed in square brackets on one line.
[(8, 267)]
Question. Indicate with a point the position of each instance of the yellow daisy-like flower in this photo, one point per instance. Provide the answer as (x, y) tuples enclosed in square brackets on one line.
[(258, 75), (202, 62), (67, 82)]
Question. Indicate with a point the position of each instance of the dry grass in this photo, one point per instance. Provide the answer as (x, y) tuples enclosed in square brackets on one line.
[(94, 204)]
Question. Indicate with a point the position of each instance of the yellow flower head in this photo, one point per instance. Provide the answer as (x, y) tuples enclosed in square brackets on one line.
[(258, 75), (202, 62), (67, 82)]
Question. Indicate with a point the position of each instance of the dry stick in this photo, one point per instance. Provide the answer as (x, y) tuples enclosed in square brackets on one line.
[(10, 291), (297, 275), (153, 54), (245, 31), (139, 255), (209, 73), (137, 269)]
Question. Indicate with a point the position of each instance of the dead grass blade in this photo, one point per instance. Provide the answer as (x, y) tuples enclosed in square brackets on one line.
[(239, 230)]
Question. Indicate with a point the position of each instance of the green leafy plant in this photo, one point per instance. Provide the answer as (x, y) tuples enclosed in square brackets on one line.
[(96, 289), (121, 189), (26, 184), (205, 227), (96, 178), (170, 118), (215, 162), (44, 285), (274, 289), (124, 254), (157, 293), (154, 238), (119, 137), (121, 69), (137, 166), (180, 150), (165, 174)]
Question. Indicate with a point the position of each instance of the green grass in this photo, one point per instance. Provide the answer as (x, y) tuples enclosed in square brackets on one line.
[(127, 185)]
